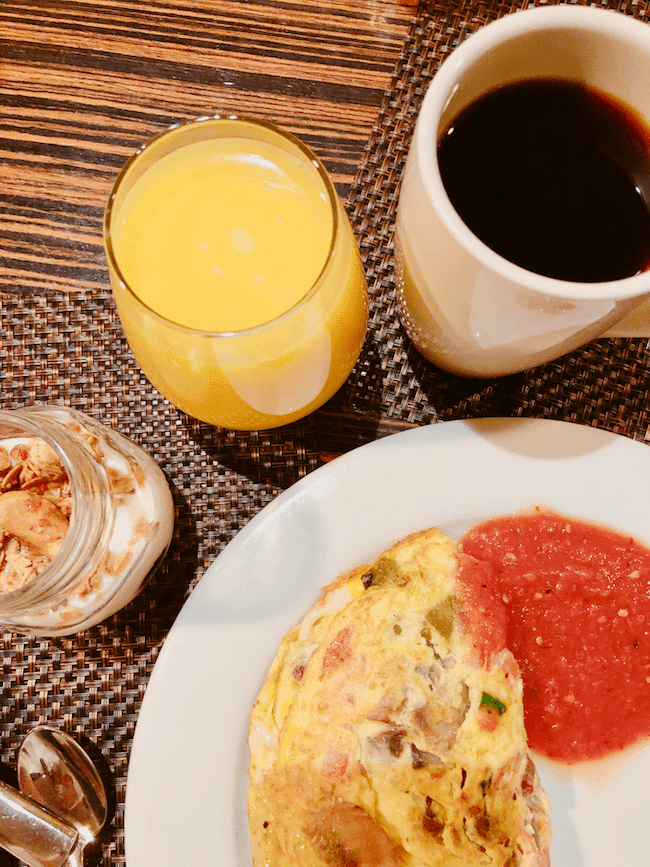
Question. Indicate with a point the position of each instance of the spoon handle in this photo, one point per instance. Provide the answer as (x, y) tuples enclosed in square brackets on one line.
[(31, 833)]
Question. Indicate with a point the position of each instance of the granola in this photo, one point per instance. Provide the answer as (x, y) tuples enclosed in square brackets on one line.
[(36, 504)]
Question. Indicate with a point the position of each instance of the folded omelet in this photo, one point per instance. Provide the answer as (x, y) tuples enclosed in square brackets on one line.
[(389, 731)]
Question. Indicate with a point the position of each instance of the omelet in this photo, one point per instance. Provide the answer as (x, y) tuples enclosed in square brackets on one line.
[(389, 731)]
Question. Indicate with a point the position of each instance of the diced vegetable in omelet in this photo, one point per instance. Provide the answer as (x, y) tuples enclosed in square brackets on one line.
[(389, 731)]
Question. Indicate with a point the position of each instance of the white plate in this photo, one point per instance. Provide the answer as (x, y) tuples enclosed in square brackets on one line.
[(186, 793)]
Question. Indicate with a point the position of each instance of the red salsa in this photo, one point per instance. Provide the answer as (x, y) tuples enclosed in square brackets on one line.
[(577, 599)]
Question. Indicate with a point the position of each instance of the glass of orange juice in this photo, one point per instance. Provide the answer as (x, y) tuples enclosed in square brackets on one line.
[(235, 272)]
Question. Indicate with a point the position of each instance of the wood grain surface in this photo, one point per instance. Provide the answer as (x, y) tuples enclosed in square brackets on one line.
[(84, 82)]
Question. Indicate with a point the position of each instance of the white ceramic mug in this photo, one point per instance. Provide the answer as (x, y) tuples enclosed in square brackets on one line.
[(466, 308)]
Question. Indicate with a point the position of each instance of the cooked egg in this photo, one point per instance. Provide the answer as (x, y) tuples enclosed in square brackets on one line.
[(387, 734)]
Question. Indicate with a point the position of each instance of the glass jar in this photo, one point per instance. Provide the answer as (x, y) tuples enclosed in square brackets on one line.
[(85, 516)]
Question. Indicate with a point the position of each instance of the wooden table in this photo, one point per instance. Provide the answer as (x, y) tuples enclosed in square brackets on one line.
[(82, 84)]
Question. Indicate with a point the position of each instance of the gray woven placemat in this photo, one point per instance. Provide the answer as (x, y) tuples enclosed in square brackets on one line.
[(70, 349)]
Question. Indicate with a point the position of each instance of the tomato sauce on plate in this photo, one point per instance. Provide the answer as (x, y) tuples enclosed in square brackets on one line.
[(577, 599)]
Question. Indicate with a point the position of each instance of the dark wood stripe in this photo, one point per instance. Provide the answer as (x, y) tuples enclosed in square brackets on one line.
[(144, 67)]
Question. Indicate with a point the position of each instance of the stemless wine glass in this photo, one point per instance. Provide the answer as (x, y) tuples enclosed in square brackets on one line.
[(235, 272)]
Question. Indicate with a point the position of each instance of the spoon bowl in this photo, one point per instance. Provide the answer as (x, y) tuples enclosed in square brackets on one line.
[(58, 774)]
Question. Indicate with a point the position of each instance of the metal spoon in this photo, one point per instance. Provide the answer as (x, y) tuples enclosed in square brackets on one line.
[(61, 806), (54, 771)]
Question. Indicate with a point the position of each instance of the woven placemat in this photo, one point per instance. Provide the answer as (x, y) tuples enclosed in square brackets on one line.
[(71, 349), (602, 384)]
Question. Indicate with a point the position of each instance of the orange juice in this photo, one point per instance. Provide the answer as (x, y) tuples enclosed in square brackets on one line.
[(235, 273), (203, 236)]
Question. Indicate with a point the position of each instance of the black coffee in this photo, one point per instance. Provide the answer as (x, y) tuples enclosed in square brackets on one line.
[(554, 176)]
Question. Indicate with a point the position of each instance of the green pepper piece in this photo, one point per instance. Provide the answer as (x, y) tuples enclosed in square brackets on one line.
[(493, 703), (384, 571), (442, 616)]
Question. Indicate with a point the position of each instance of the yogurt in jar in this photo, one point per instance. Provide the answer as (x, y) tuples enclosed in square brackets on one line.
[(85, 515)]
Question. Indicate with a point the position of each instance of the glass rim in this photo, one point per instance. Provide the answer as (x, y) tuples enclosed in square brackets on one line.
[(168, 133)]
